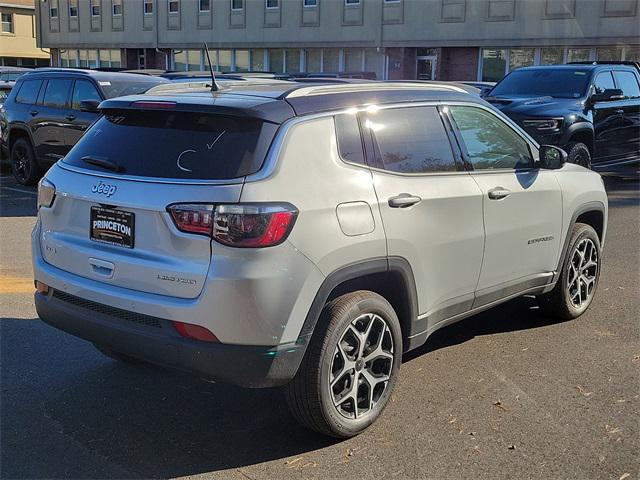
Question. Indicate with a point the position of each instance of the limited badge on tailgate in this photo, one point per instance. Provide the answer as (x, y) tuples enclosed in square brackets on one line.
[(115, 227)]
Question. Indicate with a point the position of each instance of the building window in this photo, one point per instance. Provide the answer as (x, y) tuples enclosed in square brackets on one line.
[(494, 64), (331, 60), (353, 59), (73, 8), (7, 23), (578, 55), (148, 7), (521, 57), (310, 3), (241, 60), (53, 10), (257, 60), (174, 6), (224, 60), (293, 61), (116, 8), (204, 5), (189, 60), (391, 1), (109, 58), (271, 4), (551, 56), (609, 53), (313, 60), (352, 2), (276, 61), (69, 58), (95, 8), (237, 4)]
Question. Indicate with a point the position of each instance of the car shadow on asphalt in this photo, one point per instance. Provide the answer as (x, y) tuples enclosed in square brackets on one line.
[(148, 422)]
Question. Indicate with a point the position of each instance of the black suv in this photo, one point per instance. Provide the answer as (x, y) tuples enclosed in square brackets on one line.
[(49, 109), (591, 110)]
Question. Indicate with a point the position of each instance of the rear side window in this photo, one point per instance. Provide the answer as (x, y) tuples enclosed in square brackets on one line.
[(411, 140), (349, 139), (28, 92), (181, 145), (628, 83), (57, 93), (490, 143)]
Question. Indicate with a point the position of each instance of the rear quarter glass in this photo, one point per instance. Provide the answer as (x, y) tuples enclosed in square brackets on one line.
[(178, 145)]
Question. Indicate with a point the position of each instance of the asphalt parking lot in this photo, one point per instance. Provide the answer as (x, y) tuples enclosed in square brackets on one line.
[(505, 394)]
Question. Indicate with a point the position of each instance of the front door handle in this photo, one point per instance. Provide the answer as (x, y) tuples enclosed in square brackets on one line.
[(404, 200), (620, 111), (33, 113), (498, 193), (71, 117)]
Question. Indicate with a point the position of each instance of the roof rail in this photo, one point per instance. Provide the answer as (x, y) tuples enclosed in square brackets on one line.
[(60, 70), (367, 87)]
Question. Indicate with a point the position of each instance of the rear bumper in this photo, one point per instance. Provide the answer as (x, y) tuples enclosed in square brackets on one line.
[(156, 341)]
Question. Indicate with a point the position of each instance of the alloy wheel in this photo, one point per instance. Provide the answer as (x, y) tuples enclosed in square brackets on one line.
[(361, 366), (21, 165), (583, 272)]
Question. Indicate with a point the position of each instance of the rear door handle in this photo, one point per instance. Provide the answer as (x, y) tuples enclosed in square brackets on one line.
[(71, 118), (620, 111), (33, 113), (404, 200), (498, 193)]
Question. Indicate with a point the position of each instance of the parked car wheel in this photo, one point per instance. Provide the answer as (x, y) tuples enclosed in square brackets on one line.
[(579, 154), (24, 164), (121, 357), (350, 367), (578, 280)]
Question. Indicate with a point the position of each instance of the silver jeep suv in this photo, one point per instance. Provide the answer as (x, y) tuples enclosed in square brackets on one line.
[(307, 236)]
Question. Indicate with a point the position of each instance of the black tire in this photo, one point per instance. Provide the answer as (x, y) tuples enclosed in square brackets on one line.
[(579, 154), (120, 357), (309, 396), (558, 302), (24, 165)]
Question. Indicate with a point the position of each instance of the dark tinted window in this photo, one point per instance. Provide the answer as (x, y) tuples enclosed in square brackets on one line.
[(552, 82), (119, 88), (175, 144), (349, 140), (411, 140), (603, 81), (28, 92), (56, 93), (628, 83), (83, 90), (490, 142)]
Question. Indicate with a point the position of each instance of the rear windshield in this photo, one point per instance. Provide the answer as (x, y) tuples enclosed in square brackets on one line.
[(551, 82), (120, 88), (181, 145)]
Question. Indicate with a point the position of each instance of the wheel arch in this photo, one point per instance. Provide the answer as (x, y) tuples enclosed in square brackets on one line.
[(18, 132), (580, 132), (390, 277), (591, 213)]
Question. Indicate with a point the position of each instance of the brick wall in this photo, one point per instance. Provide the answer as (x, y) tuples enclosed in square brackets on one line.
[(458, 63)]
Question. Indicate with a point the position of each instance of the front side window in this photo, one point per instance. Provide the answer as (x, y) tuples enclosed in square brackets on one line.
[(56, 93), (603, 81), (73, 8), (28, 92), (628, 83), (410, 140), (174, 6), (83, 90), (7, 23), (490, 143)]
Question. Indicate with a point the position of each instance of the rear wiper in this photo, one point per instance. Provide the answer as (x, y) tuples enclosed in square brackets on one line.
[(103, 162)]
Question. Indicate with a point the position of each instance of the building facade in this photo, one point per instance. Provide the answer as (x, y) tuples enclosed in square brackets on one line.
[(18, 35), (396, 39)]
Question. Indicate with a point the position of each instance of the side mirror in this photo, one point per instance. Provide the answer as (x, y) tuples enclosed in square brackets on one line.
[(551, 157), (89, 106), (609, 95)]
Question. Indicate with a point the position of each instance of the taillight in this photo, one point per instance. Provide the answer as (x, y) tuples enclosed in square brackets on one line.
[(46, 193), (238, 225), (195, 332)]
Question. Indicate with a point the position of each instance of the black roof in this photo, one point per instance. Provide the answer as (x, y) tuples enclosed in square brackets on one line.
[(279, 102), (585, 66)]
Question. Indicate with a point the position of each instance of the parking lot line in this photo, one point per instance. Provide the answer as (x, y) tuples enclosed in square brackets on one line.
[(12, 284), (19, 190)]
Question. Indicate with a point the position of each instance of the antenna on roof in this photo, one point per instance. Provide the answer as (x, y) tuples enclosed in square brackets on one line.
[(214, 85)]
